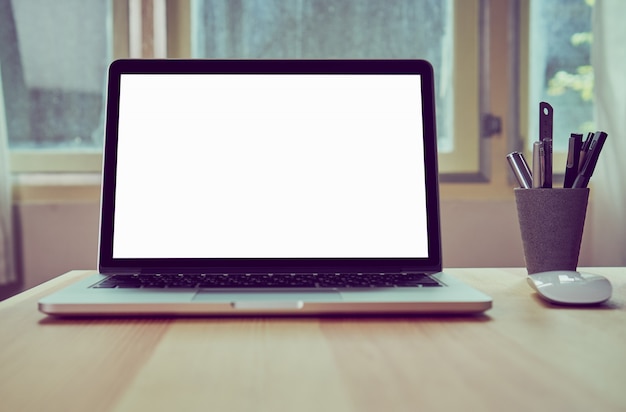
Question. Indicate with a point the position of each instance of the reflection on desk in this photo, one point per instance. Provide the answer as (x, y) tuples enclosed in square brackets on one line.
[(523, 354)]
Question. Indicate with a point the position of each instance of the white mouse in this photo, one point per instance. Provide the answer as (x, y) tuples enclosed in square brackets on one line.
[(567, 287)]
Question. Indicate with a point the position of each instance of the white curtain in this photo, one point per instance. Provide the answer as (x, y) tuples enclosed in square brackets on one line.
[(608, 217), (7, 273)]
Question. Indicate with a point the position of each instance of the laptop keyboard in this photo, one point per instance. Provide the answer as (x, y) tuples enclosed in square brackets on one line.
[(313, 280)]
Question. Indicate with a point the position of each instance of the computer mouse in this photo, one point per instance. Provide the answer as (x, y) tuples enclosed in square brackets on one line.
[(568, 287)]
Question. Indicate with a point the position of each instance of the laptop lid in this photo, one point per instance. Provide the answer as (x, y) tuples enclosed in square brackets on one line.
[(277, 166)]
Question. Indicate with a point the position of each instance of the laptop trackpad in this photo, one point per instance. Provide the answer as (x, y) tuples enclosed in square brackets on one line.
[(278, 296)]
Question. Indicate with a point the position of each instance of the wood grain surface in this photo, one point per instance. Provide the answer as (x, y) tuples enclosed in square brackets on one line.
[(523, 354)]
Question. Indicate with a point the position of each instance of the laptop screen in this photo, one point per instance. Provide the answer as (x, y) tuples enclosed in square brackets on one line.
[(268, 165)]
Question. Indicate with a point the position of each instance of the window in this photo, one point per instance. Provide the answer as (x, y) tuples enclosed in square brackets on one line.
[(363, 29), (329, 29), (53, 59), (54, 74), (559, 71)]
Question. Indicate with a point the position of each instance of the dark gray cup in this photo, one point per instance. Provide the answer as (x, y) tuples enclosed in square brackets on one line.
[(551, 223)]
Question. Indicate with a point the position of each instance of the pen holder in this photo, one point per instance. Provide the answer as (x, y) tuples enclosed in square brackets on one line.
[(551, 223)]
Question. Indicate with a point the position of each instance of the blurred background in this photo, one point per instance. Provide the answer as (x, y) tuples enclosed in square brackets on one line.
[(494, 60)]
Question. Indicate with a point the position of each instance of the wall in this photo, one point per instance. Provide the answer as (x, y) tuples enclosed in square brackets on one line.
[(58, 237), (55, 238)]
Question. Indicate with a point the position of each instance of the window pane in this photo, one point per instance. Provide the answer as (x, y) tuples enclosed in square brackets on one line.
[(54, 56), (560, 68), (319, 29)]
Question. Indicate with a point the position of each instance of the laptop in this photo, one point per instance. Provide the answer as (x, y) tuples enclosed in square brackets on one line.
[(269, 187)]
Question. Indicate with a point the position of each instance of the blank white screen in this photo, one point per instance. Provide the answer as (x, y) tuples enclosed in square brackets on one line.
[(270, 166)]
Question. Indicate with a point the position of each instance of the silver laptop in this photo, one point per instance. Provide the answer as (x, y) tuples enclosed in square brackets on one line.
[(248, 187)]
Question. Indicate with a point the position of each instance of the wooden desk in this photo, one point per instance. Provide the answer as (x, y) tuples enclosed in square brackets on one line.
[(522, 355)]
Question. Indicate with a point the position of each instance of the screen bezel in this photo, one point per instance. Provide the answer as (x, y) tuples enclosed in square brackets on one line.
[(108, 264)]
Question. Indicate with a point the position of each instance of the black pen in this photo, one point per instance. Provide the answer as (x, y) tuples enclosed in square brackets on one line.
[(547, 163), (573, 158), (583, 150), (591, 159)]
